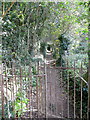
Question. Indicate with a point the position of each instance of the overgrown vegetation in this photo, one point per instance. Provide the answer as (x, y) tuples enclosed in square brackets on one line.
[(27, 28)]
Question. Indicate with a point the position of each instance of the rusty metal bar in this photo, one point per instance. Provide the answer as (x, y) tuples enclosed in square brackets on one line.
[(41, 95), (39, 78), (55, 92), (40, 75), (6, 82), (29, 96), (13, 90), (74, 93), (12, 84), (37, 92), (62, 67), (31, 107), (26, 92), (45, 89), (21, 87), (50, 97), (58, 67), (88, 111), (15, 87), (81, 93), (38, 72), (82, 79), (11, 87), (6, 79), (40, 90), (61, 90), (54, 109), (68, 89), (50, 92), (2, 94)]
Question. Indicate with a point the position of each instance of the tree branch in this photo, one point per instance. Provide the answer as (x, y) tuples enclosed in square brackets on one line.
[(8, 8)]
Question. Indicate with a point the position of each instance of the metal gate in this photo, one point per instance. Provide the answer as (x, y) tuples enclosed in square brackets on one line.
[(43, 90)]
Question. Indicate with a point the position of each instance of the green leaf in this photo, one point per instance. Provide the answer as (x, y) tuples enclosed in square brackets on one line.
[(85, 31), (0, 56), (86, 38)]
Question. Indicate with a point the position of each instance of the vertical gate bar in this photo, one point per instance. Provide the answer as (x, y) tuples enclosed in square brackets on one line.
[(26, 87), (31, 109), (13, 89), (54, 99), (30, 113), (6, 80), (81, 93), (41, 94), (45, 89), (88, 87), (48, 86), (21, 87), (29, 97), (15, 86), (50, 92), (68, 87), (11, 86), (74, 93), (38, 89), (55, 91), (87, 100), (2, 93), (1, 88), (12, 83), (6, 85), (61, 90), (50, 97), (45, 67), (16, 83), (37, 92), (28, 93)]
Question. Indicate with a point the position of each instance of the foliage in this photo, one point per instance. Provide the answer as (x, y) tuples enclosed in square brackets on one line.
[(78, 93), (23, 18), (43, 48), (20, 103), (61, 46), (27, 25)]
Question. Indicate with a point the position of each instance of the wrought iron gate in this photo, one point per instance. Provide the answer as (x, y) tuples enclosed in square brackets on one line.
[(43, 90)]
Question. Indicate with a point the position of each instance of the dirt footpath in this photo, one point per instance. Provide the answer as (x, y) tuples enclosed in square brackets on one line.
[(57, 102)]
